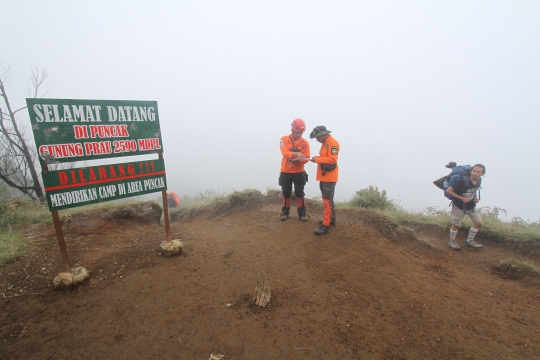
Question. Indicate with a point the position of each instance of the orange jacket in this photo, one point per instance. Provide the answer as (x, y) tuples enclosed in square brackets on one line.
[(286, 143), (328, 155), (172, 200)]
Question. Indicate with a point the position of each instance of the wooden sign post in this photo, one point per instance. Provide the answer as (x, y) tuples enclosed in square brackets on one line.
[(68, 130)]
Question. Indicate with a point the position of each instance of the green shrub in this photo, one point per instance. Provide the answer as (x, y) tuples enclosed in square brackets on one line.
[(372, 198)]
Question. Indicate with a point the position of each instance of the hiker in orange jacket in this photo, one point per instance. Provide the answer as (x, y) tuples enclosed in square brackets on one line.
[(172, 200), (295, 151), (327, 174)]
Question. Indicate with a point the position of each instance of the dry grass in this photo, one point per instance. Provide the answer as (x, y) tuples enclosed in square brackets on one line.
[(12, 246), (517, 266)]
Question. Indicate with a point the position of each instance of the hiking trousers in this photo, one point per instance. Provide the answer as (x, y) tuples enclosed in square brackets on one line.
[(286, 181), (327, 191)]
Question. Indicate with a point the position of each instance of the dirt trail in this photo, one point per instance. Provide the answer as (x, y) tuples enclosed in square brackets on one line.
[(367, 290)]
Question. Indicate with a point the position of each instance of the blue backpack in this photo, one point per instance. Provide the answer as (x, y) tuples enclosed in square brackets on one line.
[(449, 180)]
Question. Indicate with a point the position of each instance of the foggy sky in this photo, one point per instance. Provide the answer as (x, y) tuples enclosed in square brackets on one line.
[(404, 86)]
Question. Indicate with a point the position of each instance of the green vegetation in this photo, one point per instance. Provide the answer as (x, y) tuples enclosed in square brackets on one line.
[(274, 193), (15, 214), (202, 199), (12, 245), (517, 230), (372, 198), (519, 266), (492, 227)]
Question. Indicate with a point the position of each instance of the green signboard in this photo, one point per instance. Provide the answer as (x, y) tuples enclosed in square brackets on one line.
[(89, 185), (67, 130)]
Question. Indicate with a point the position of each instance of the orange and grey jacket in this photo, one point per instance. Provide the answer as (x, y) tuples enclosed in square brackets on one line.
[(286, 145), (172, 200), (328, 155)]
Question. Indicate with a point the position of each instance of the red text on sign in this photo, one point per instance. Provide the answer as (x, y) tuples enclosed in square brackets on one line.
[(98, 148), (148, 144), (62, 150)]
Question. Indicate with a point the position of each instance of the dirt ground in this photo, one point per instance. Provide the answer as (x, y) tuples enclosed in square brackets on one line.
[(367, 290)]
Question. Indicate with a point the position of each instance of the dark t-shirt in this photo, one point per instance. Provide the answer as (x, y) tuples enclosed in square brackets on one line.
[(465, 187)]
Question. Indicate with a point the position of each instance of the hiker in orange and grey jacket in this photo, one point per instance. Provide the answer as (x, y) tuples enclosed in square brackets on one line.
[(295, 151), (172, 199), (327, 174)]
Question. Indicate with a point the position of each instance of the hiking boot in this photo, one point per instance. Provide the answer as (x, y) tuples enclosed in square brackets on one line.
[(332, 222), (284, 217), (473, 244), (452, 245), (321, 230), (302, 214)]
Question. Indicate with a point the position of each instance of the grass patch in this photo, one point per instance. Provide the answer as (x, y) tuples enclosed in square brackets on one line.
[(19, 213), (100, 206), (491, 228), (12, 246), (518, 266), (414, 218), (508, 232), (273, 193), (188, 204), (16, 214), (517, 230), (202, 199)]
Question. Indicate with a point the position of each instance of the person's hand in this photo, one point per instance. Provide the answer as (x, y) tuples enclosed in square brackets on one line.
[(312, 159), (298, 155), (465, 200), (476, 200)]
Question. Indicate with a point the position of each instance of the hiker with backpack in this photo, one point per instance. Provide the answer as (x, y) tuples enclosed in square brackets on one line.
[(295, 153), (462, 187)]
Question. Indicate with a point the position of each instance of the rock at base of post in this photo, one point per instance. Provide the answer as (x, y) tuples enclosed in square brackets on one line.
[(172, 248), (262, 291), (76, 276)]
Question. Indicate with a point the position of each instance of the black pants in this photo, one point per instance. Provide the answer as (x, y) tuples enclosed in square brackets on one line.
[(286, 181)]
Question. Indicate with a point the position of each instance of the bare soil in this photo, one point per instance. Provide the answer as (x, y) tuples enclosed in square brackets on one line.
[(368, 290)]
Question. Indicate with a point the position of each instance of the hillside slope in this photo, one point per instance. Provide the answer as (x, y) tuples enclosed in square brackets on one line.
[(369, 289)]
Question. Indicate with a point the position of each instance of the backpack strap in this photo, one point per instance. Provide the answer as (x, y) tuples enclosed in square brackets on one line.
[(464, 206), (294, 145)]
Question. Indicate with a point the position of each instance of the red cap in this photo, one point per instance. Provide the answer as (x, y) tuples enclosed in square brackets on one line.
[(298, 125)]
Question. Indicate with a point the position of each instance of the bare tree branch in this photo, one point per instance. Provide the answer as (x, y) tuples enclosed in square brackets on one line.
[(19, 167), (16, 111), (38, 78)]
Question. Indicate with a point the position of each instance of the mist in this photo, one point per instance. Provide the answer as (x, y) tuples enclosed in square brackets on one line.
[(404, 86)]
